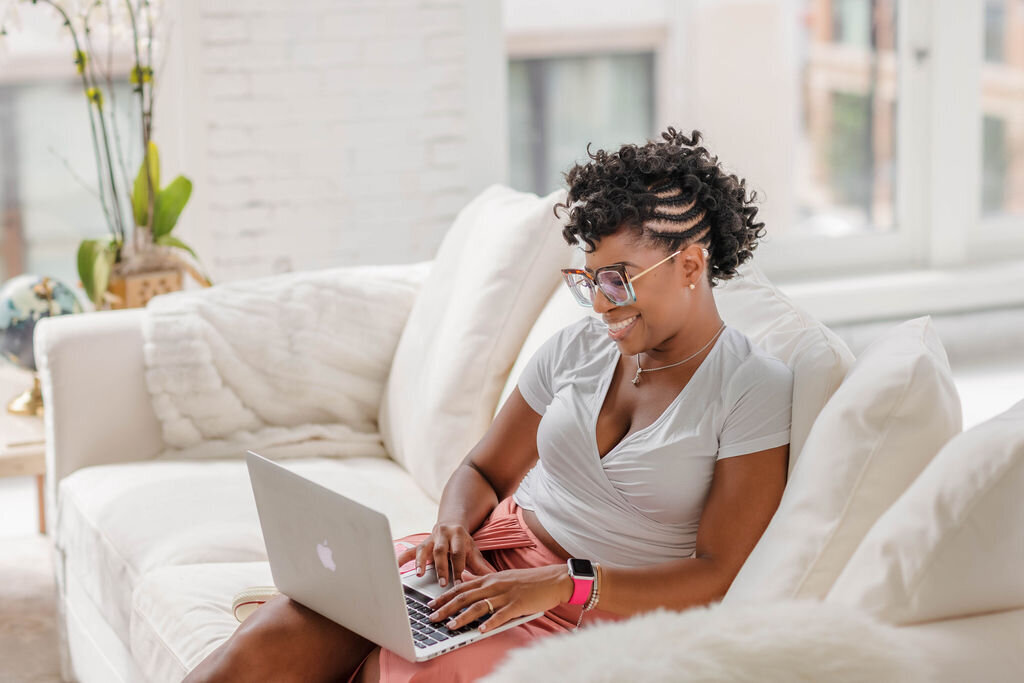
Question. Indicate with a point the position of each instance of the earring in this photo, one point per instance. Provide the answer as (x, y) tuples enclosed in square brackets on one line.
[(692, 285)]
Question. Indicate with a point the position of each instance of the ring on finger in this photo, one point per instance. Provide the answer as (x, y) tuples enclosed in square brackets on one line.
[(490, 607)]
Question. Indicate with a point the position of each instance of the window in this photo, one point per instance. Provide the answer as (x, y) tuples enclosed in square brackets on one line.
[(847, 152), (557, 105), (48, 201), (885, 138), (47, 178), (1002, 105)]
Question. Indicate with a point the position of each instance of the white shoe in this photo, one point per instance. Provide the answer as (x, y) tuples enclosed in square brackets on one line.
[(248, 599)]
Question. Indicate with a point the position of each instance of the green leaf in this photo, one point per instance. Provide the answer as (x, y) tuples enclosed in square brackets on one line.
[(140, 193), (169, 204), (95, 260), (172, 241)]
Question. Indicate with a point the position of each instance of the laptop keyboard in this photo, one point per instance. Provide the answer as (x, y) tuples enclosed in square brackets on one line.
[(425, 632)]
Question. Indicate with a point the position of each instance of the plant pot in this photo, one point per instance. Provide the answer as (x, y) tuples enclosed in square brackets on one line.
[(135, 290)]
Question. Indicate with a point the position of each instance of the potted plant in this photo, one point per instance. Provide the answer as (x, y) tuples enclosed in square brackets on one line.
[(140, 257)]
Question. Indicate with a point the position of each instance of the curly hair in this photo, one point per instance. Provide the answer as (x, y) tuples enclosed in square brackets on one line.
[(670, 194)]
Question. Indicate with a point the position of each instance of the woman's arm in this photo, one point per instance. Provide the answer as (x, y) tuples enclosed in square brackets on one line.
[(490, 472), (745, 492)]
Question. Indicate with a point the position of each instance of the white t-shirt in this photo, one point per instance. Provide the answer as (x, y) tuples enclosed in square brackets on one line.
[(641, 504)]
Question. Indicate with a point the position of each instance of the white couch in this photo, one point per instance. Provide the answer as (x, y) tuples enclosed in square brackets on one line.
[(150, 549)]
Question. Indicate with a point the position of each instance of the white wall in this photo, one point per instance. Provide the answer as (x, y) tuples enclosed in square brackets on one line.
[(321, 133)]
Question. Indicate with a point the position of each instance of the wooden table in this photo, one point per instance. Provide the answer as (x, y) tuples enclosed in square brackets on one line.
[(22, 441)]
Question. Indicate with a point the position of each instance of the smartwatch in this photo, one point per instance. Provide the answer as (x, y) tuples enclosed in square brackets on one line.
[(583, 575)]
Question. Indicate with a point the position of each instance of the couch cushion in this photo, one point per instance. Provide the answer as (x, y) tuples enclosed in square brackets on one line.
[(894, 411), (118, 522), (560, 311), (181, 614), (817, 356), (952, 545), (496, 267)]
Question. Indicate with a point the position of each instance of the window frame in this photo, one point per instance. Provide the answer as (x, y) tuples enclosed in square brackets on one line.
[(941, 255)]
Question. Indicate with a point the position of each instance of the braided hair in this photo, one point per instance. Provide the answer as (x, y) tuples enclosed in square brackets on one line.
[(670, 194)]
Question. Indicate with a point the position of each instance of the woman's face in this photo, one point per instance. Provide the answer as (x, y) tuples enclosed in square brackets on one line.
[(663, 299)]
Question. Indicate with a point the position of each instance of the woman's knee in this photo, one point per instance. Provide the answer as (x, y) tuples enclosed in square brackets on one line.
[(261, 642)]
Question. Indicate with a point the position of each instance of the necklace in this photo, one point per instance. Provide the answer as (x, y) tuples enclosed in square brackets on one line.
[(636, 378)]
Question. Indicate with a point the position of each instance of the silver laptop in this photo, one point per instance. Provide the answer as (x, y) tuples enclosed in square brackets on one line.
[(336, 557)]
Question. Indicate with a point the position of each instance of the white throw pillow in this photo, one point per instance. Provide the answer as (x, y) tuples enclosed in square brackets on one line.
[(894, 411), (817, 356), (775, 643), (494, 270), (953, 544), (560, 311)]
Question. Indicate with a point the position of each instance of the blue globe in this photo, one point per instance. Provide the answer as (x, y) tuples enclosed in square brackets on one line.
[(23, 301)]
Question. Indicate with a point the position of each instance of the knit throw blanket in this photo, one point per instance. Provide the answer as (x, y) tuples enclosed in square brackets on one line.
[(291, 365)]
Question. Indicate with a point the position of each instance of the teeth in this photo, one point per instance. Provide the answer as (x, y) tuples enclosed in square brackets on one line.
[(618, 326)]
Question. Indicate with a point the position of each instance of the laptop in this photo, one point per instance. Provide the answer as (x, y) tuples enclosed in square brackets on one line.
[(337, 557)]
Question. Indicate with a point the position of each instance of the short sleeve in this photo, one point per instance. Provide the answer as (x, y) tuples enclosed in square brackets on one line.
[(537, 380), (762, 412)]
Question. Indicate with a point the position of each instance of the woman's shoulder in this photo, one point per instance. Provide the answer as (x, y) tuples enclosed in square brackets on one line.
[(753, 364), (586, 334)]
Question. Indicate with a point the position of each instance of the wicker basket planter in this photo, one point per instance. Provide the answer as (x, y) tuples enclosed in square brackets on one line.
[(135, 290)]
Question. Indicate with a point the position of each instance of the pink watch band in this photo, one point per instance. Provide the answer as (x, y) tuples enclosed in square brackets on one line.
[(581, 591)]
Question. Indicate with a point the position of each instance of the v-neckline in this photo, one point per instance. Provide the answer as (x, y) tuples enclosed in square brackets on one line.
[(602, 394)]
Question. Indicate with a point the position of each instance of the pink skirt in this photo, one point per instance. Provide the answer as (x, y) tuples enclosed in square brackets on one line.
[(507, 543)]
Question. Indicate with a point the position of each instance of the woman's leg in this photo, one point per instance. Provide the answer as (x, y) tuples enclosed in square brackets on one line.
[(284, 641)]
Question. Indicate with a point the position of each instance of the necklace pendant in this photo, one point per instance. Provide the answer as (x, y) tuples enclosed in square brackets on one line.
[(636, 377)]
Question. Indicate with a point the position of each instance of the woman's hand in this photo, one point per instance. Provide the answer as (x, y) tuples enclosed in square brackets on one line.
[(448, 540), (513, 593)]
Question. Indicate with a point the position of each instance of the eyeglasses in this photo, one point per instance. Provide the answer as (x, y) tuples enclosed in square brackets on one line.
[(613, 281)]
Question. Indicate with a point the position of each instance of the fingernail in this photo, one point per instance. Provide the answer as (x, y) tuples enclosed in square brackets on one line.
[(444, 582), (458, 581), (419, 572), (431, 603), (483, 627), (433, 615), (451, 624)]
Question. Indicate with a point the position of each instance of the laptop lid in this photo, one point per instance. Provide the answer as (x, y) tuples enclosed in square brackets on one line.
[(331, 554)]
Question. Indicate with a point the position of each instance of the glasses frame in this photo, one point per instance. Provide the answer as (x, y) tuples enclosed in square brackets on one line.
[(619, 268)]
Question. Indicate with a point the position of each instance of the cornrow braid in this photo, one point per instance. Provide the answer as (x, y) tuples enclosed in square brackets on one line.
[(677, 214), (670, 194)]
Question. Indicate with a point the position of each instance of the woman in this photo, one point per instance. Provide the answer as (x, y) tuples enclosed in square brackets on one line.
[(653, 442)]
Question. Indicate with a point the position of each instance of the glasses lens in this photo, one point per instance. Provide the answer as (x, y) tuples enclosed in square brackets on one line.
[(614, 287), (581, 288)]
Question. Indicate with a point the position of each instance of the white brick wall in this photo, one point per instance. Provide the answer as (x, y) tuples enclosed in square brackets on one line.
[(326, 132)]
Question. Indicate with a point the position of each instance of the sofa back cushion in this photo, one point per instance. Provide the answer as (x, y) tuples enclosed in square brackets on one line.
[(817, 356), (894, 411), (496, 267), (561, 310), (953, 544)]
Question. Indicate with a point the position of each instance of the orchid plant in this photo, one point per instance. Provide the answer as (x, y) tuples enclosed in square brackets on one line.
[(140, 214)]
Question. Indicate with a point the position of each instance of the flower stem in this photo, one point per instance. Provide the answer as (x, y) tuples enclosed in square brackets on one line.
[(146, 119), (92, 122)]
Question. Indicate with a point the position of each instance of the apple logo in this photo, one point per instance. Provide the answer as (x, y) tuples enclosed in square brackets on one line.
[(326, 556)]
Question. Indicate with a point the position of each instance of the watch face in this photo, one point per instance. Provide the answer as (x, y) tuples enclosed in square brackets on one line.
[(581, 568)]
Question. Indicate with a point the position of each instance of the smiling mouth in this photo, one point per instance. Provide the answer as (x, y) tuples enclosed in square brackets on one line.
[(622, 324), (618, 331)]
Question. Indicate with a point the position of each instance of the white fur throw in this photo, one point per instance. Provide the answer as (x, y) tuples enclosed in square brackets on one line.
[(775, 642), (290, 365)]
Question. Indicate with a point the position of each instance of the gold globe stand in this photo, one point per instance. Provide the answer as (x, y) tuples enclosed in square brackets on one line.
[(28, 403)]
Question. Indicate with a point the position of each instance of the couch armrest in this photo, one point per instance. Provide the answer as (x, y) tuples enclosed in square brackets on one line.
[(98, 410)]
